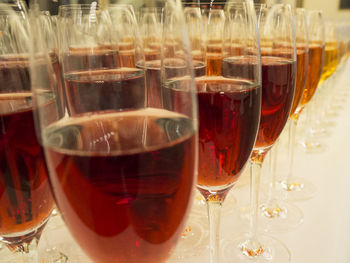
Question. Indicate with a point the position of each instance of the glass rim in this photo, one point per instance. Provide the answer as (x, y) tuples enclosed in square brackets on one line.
[(76, 6)]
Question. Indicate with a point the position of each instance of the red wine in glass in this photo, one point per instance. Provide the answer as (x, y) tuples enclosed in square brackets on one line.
[(88, 91), (123, 181)]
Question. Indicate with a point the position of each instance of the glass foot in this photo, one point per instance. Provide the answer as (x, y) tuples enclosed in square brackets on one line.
[(279, 216), (297, 189), (193, 241), (264, 249), (313, 146), (53, 255)]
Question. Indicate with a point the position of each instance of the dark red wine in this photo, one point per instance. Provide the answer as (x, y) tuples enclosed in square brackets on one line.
[(173, 68), (278, 85), (229, 113), (87, 58), (123, 181), (96, 90), (25, 196)]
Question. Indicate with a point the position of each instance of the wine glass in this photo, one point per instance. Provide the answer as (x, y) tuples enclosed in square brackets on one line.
[(25, 196), (278, 59), (193, 241), (276, 214), (229, 108), (214, 28), (136, 164), (293, 187), (321, 118)]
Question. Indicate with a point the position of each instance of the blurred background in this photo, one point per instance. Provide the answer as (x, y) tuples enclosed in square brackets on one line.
[(333, 9)]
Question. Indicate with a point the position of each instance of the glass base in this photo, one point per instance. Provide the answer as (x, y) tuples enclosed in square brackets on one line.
[(193, 241), (279, 216), (299, 189), (313, 146), (53, 255), (266, 250)]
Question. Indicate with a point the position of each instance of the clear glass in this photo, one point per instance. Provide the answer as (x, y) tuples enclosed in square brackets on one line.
[(229, 100), (293, 187), (136, 163), (276, 214), (25, 201), (278, 58), (317, 129), (193, 241)]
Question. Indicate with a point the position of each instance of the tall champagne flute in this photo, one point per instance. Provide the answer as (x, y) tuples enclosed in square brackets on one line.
[(229, 113), (278, 59), (293, 187), (25, 196), (135, 164), (151, 31), (276, 214), (321, 112), (215, 20), (193, 241)]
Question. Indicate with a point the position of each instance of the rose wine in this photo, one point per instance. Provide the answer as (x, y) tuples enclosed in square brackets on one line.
[(173, 68), (123, 181), (313, 73), (214, 59), (84, 58), (25, 196), (278, 85), (229, 112), (127, 54), (302, 57), (152, 54), (95, 90), (14, 74)]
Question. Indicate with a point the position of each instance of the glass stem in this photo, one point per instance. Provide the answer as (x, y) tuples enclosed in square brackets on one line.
[(272, 168), (309, 124), (251, 247), (214, 213), (255, 172), (291, 148)]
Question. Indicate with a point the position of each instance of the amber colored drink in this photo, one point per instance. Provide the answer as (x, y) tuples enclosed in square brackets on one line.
[(330, 61), (214, 59), (302, 57), (25, 197), (123, 181), (314, 72)]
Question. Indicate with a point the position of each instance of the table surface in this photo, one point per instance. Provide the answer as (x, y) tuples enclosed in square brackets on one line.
[(324, 235)]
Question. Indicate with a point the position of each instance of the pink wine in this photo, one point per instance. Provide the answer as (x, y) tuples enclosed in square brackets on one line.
[(229, 112), (96, 90), (173, 68), (25, 196)]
